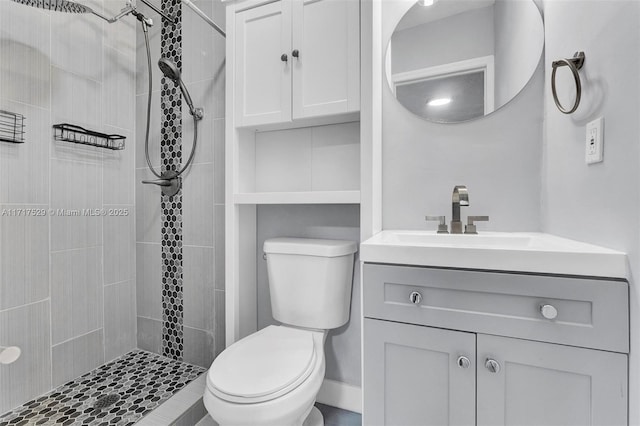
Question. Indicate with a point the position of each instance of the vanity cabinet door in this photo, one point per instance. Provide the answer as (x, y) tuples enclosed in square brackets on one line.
[(542, 384), (326, 71), (412, 376), (263, 78)]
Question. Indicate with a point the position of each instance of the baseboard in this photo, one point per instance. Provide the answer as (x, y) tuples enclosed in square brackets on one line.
[(341, 395)]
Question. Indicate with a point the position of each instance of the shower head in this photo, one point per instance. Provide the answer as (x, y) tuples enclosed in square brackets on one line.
[(70, 6), (57, 5), (171, 71)]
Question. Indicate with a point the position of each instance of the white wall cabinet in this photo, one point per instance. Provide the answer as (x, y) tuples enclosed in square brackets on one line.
[(297, 60), (412, 372), (263, 80)]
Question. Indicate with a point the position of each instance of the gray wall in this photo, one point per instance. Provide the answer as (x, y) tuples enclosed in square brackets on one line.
[(67, 295), (498, 158), (203, 54), (597, 203), (342, 348)]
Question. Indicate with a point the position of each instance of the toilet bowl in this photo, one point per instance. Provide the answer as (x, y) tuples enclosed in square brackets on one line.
[(281, 368), (272, 377)]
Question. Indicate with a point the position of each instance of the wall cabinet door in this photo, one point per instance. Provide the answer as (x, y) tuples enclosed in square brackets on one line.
[(263, 79), (412, 376), (326, 71), (548, 384), (297, 59)]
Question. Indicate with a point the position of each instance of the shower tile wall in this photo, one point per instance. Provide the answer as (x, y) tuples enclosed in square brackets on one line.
[(171, 214), (202, 213), (67, 284)]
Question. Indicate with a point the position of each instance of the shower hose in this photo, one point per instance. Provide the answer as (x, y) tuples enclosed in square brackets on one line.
[(146, 138)]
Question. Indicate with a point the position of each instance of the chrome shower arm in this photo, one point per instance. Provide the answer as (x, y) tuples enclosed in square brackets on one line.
[(116, 18), (124, 12), (129, 9), (201, 14)]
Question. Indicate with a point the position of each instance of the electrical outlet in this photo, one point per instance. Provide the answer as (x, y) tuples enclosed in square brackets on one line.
[(594, 149)]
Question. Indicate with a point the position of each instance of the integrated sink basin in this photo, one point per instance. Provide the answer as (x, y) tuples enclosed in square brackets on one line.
[(500, 251), (486, 239)]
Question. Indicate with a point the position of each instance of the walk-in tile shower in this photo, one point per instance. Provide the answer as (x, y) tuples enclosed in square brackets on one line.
[(105, 282)]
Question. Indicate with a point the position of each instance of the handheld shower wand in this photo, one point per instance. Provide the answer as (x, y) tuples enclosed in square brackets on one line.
[(170, 180), (171, 71)]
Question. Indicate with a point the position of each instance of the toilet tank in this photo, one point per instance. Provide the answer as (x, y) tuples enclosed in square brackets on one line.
[(310, 281)]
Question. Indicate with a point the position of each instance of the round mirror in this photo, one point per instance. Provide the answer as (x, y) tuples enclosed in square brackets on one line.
[(451, 61)]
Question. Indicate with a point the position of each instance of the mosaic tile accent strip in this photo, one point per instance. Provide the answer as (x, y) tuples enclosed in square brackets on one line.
[(139, 382), (171, 159)]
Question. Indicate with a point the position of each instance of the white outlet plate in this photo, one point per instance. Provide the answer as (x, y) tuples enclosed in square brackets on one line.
[(594, 142)]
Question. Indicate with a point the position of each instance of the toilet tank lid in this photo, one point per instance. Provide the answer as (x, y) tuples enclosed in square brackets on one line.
[(310, 247)]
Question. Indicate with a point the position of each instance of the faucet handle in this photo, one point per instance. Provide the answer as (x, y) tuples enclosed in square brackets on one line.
[(471, 227), (442, 226)]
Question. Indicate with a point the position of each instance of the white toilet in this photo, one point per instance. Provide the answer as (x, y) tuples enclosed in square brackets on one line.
[(272, 377)]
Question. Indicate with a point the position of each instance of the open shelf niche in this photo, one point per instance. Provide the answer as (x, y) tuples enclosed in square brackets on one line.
[(311, 165), (316, 165)]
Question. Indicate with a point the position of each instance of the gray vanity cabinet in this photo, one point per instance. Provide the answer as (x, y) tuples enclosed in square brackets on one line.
[(548, 384), (412, 376), (566, 365)]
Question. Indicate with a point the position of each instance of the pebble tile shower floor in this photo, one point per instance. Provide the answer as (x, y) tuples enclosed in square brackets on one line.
[(140, 380)]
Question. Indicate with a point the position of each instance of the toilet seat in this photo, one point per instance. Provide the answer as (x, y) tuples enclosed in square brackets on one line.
[(263, 366)]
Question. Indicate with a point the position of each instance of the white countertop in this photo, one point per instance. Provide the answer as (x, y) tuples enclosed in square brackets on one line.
[(500, 251)]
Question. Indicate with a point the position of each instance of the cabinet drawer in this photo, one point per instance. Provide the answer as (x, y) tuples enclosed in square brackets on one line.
[(591, 313)]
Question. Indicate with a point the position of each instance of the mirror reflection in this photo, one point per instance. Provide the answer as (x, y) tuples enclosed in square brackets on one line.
[(452, 61)]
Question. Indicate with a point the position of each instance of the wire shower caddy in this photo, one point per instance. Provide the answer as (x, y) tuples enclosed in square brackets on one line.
[(11, 127), (76, 134)]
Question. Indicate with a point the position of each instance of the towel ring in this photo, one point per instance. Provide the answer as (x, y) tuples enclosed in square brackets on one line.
[(574, 65)]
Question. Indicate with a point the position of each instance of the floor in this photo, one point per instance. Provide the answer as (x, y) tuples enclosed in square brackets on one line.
[(118, 393), (332, 417), (336, 417)]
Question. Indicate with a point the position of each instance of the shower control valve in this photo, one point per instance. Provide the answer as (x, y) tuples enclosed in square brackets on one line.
[(170, 182)]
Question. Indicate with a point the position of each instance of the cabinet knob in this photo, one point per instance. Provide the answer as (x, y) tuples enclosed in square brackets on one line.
[(284, 57), (415, 298), (463, 362), (492, 365), (548, 311), (295, 53)]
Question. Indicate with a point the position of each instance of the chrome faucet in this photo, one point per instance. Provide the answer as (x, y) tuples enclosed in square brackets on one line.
[(459, 198)]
